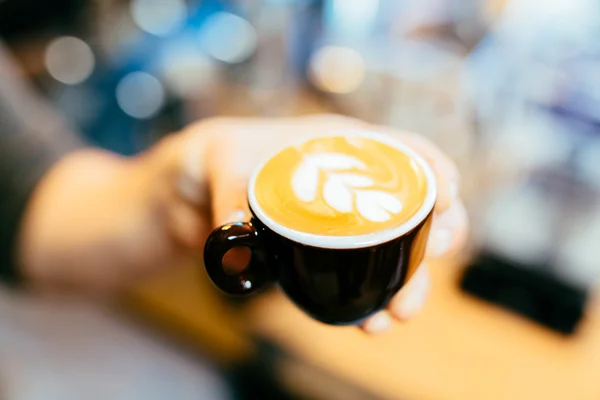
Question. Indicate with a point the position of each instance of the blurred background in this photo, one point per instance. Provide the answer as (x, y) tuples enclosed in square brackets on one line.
[(509, 89)]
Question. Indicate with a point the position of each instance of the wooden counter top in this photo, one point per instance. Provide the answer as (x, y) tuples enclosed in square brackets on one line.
[(457, 348)]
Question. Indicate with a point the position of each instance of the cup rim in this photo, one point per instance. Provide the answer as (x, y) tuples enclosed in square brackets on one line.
[(355, 241)]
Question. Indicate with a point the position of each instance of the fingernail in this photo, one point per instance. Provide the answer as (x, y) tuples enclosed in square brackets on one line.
[(378, 323), (439, 242)]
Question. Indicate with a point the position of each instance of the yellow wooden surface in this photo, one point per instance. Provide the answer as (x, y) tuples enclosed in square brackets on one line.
[(184, 304), (459, 348)]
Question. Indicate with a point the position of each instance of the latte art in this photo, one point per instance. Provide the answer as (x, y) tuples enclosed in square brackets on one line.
[(340, 186), (343, 191)]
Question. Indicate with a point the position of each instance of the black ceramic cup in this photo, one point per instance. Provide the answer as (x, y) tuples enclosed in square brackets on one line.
[(336, 280)]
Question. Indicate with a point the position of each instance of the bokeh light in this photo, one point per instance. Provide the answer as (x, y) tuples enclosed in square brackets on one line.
[(349, 21), (505, 233), (580, 252), (228, 38), (188, 72), (337, 69), (587, 164), (159, 17), (140, 95), (355, 12), (69, 60)]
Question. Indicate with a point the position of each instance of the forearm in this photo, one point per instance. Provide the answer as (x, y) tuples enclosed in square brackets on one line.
[(32, 139)]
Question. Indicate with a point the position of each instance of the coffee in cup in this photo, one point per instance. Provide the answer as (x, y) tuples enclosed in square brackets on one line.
[(340, 186)]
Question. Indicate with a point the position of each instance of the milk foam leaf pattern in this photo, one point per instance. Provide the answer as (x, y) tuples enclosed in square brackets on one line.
[(305, 181), (343, 190), (306, 178), (376, 206), (337, 195)]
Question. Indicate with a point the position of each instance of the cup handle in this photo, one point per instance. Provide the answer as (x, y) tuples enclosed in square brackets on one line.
[(239, 234)]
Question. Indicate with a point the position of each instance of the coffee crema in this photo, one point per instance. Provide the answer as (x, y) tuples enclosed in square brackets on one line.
[(340, 186)]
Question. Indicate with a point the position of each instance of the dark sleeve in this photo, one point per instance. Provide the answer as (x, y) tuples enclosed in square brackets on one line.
[(32, 139)]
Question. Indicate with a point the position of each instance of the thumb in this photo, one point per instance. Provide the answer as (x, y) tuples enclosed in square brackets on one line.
[(228, 199), (228, 184)]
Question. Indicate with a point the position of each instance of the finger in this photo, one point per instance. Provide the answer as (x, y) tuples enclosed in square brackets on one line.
[(255, 138), (410, 299), (292, 125), (378, 323), (431, 152), (445, 170), (449, 231), (228, 199)]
